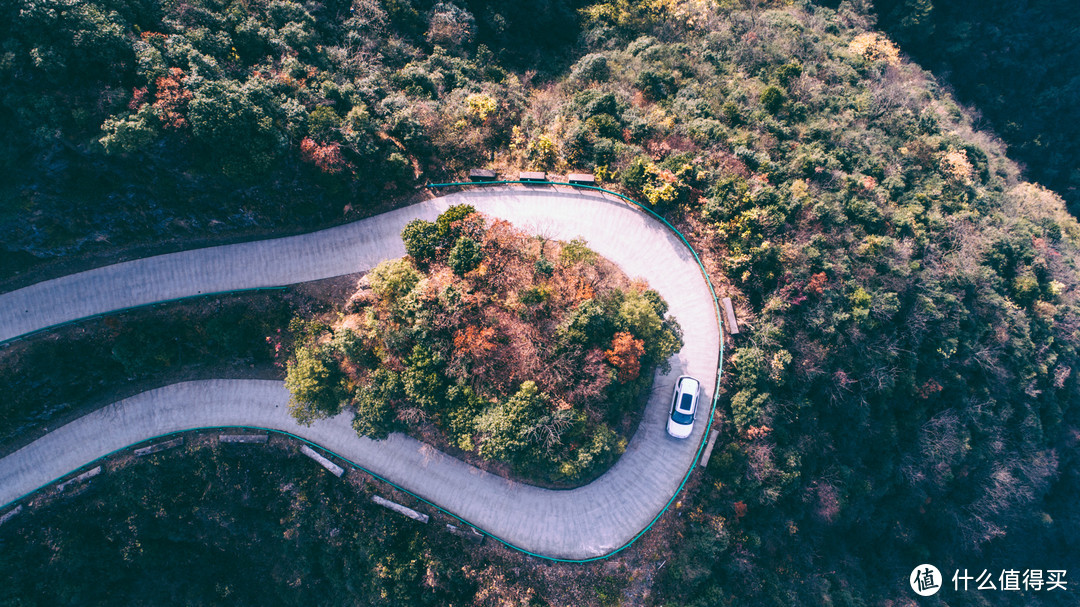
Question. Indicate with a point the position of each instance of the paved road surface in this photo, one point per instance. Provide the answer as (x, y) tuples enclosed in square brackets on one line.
[(582, 523)]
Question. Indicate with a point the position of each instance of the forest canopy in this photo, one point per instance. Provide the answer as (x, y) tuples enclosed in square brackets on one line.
[(1016, 63)]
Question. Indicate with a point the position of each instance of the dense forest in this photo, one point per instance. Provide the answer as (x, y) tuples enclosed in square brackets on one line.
[(131, 123), (904, 388), (63, 373), (1016, 63)]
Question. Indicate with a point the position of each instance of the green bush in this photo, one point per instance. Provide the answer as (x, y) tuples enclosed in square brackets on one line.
[(398, 168), (637, 175), (587, 324), (233, 128), (656, 86), (324, 125), (637, 314), (731, 113), (773, 99), (544, 267), (592, 68), (465, 256), (507, 428), (578, 145), (445, 223), (392, 280), (421, 240), (128, 134), (747, 409), (316, 385), (594, 102), (575, 251), (605, 125), (787, 72), (535, 295), (463, 408), (602, 447), (543, 152), (376, 403), (423, 379), (347, 343)]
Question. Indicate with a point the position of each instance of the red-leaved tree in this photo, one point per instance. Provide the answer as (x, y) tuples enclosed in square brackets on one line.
[(327, 157), (138, 98), (172, 99)]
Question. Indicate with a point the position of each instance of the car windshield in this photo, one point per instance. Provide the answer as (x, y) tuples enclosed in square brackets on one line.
[(682, 418)]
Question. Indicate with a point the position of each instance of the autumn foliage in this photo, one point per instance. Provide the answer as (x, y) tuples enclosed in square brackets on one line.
[(474, 342), (872, 46), (327, 157), (625, 355), (533, 353), (816, 284), (172, 99), (740, 509), (139, 97)]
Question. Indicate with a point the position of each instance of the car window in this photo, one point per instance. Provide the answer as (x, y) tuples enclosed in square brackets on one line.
[(682, 418)]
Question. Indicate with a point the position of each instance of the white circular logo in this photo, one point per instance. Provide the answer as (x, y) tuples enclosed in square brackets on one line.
[(925, 580)]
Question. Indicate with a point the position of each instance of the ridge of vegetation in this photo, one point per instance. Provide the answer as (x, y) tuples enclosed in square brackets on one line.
[(135, 121), (508, 348)]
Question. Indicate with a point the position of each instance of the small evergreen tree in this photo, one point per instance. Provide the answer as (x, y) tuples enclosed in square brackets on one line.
[(316, 384), (465, 256), (421, 240), (375, 404)]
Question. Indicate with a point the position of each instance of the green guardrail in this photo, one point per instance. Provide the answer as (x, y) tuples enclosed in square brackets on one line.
[(686, 477)]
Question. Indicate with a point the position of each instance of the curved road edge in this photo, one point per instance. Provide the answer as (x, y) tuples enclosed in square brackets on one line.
[(585, 523)]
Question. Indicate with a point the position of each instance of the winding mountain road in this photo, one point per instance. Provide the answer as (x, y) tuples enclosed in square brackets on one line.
[(582, 523)]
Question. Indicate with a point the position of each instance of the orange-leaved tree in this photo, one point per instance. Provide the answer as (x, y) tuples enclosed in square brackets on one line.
[(327, 157), (172, 99), (625, 355)]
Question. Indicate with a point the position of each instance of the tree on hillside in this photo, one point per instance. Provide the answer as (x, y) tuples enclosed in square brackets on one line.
[(421, 240), (316, 384), (376, 404), (233, 127), (423, 380), (508, 430), (625, 355)]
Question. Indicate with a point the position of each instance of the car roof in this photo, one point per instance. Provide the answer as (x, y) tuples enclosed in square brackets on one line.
[(688, 384)]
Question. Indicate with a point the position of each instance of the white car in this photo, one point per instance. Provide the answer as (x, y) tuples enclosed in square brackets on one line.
[(683, 407)]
